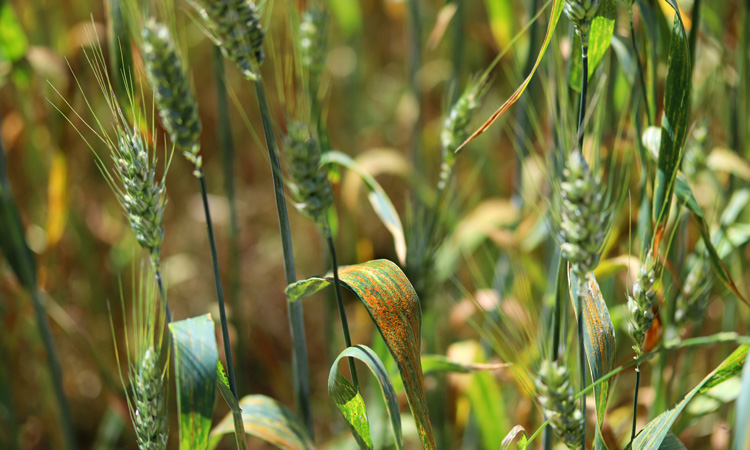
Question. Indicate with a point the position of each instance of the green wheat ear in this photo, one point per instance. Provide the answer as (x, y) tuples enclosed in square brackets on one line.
[(584, 215), (581, 13), (234, 26), (174, 98), (140, 192), (308, 181), (557, 399), (313, 42), (147, 365), (641, 303)]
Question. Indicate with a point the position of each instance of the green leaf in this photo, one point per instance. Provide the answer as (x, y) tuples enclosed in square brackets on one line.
[(226, 392), (501, 18), (600, 37), (655, 432), (671, 443), (674, 124), (195, 358), (379, 200), (554, 19), (685, 195), (350, 402), (522, 443), (599, 341), (348, 14), (742, 412), (13, 42), (394, 307), (267, 419)]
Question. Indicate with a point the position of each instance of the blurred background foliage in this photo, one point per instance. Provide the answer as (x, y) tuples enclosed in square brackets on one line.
[(486, 297)]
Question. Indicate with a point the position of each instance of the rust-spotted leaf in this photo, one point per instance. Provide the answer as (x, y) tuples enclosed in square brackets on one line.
[(599, 340), (394, 308)]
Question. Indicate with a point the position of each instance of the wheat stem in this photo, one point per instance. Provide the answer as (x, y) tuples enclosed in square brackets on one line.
[(295, 311), (340, 302), (217, 282)]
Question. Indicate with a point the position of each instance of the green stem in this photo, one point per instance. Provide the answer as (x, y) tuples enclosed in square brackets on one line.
[(693, 37), (639, 69), (227, 150), (584, 88), (217, 280), (340, 302), (415, 57), (53, 360), (295, 312), (162, 291), (635, 401)]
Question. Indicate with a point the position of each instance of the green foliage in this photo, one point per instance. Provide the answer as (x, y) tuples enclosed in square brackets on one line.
[(195, 359)]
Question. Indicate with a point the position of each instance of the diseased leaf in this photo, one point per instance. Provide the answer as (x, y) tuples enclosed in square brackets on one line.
[(600, 37), (554, 18), (379, 200), (674, 124), (685, 196), (195, 358), (267, 419), (350, 402), (599, 341), (394, 307), (655, 432)]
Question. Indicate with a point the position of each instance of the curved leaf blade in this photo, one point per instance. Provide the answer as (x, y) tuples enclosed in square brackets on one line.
[(685, 195), (554, 18), (195, 358), (267, 419), (599, 341), (674, 124), (379, 200), (600, 38), (350, 402), (655, 432), (394, 307)]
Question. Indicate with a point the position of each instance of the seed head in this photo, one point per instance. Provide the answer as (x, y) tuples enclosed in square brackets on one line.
[(313, 41), (141, 194), (174, 98), (149, 411), (641, 302), (558, 402), (308, 180), (581, 13), (584, 215), (234, 25)]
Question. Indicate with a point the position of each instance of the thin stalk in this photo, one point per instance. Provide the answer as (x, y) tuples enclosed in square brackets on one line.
[(219, 290), (560, 288), (579, 302), (53, 360), (584, 87), (693, 37), (639, 69), (227, 151), (635, 401), (415, 60), (295, 312), (340, 302), (162, 291)]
